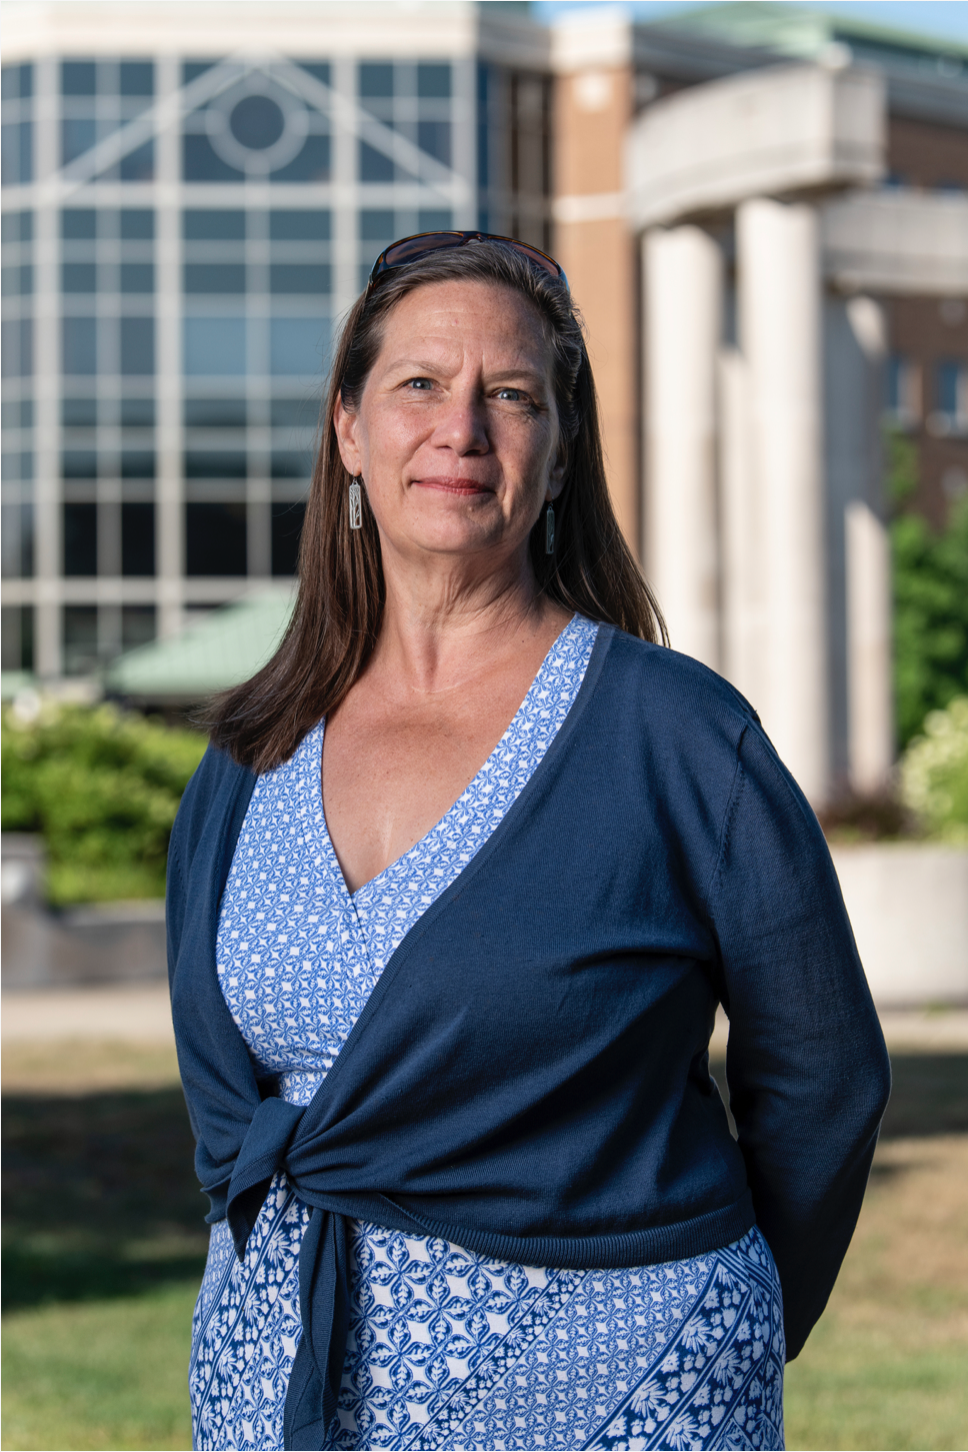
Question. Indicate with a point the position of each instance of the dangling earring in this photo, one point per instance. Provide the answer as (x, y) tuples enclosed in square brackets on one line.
[(550, 529), (356, 504)]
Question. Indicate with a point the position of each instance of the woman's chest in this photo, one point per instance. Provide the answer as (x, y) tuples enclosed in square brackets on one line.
[(390, 773)]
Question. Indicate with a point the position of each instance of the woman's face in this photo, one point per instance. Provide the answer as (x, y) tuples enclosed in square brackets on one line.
[(456, 435)]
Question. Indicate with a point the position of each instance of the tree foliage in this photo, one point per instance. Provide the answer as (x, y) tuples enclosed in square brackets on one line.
[(930, 601), (102, 787)]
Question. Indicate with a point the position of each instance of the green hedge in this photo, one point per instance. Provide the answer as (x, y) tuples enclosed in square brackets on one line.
[(934, 773), (102, 787), (930, 600)]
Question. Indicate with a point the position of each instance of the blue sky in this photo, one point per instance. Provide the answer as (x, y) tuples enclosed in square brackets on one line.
[(947, 19)]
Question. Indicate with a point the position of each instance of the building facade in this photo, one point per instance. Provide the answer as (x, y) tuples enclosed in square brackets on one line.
[(182, 229)]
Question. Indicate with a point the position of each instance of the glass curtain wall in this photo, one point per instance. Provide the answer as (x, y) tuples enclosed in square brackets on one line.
[(169, 306)]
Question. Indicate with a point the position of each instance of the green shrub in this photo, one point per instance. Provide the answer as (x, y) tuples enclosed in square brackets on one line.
[(102, 788), (930, 598), (934, 772)]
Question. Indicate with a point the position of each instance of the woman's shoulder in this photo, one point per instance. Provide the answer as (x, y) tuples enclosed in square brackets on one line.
[(671, 687)]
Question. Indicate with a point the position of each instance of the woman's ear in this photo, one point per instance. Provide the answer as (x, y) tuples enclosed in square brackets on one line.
[(557, 472), (346, 425)]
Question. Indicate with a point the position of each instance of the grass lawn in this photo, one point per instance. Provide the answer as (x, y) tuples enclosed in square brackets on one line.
[(104, 1245), (100, 1374)]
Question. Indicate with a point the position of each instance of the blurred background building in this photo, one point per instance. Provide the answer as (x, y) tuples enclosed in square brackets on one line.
[(763, 214)]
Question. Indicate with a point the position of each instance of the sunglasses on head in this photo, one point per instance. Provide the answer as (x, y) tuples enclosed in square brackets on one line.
[(424, 244)]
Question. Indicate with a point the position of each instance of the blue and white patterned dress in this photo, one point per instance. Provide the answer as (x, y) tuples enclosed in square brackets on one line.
[(446, 1349)]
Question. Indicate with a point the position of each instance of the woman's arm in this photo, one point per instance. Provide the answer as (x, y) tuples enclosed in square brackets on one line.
[(807, 1066)]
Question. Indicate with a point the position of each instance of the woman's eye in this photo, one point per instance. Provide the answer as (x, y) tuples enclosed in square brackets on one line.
[(513, 395), (420, 383)]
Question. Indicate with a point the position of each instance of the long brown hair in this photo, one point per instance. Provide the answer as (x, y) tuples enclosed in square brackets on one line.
[(341, 596)]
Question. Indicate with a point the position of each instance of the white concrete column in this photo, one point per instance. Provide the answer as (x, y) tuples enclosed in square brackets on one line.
[(742, 586), (683, 315), (869, 648), (778, 262)]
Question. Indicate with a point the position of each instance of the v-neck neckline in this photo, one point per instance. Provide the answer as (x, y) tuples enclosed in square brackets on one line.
[(354, 899)]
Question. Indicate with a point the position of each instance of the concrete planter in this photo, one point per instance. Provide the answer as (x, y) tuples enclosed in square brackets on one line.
[(102, 943), (908, 904)]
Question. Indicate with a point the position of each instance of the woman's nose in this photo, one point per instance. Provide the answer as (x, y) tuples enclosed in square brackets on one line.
[(462, 425)]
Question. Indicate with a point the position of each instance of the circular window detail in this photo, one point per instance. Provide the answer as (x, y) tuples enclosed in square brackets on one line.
[(257, 126), (257, 122)]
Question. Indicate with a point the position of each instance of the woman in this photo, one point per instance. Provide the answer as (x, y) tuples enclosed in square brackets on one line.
[(453, 898)]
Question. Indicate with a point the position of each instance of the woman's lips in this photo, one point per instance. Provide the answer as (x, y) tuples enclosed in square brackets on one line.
[(465, 488)]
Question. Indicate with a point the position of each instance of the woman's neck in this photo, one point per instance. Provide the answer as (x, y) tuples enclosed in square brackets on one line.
[(440, 626)]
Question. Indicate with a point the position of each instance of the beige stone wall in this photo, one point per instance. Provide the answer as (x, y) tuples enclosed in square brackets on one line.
[(593, 243)]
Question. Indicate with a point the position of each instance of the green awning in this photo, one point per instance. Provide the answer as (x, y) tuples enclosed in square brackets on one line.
[(224, 648)]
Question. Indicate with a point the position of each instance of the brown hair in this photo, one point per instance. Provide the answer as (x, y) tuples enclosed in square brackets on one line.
[(339, 607)]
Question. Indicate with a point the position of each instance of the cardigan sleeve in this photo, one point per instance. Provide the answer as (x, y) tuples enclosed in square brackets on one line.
[(807, 1067)]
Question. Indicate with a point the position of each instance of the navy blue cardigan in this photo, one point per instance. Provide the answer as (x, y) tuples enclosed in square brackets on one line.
[(529, 1078)]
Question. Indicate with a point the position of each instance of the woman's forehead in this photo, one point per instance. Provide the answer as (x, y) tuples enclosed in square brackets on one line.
[(460, 309)]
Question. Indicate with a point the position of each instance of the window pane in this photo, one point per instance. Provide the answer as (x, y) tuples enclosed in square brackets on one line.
[(215, 413), (79, 344), (16, 347), (11, 226), (80, 539), (291, 464), (286, 412), (18, 638), (298, 345), (376, 79), (191, 70), (215, 464), (78, 78), (299, 226), (138, 413), (433, 80), (378, 225), (79, 413), (79, 464), (137, 277), (312, 163), (137, 224), (200, 163), (374, 166), (299, 277), (78, 224), (138, 464), (77, 136), (215, 539), (138, 165), (137, 78), (947, 386), (211, 225), (287, 523), (80, 639), (215, 346), (138, 540), (137, 346), (214, 277), (17, 539), (78, 277), (435, 219), (319, 70), (434, 138)]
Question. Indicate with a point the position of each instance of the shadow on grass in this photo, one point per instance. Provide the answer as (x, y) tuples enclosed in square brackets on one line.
[(929, 1095), (100, 1198)]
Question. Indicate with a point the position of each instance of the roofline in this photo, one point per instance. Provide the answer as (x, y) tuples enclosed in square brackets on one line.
[(845, 23)]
